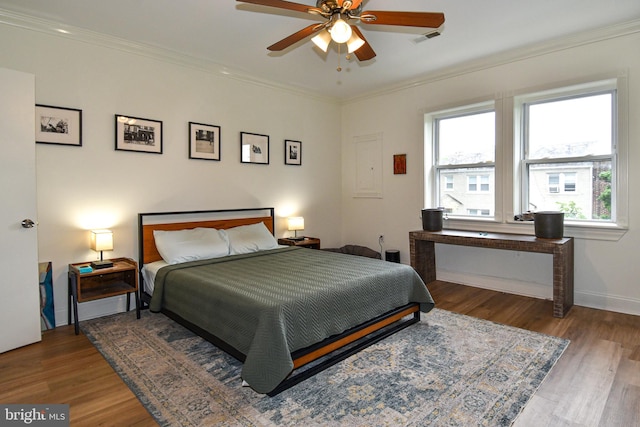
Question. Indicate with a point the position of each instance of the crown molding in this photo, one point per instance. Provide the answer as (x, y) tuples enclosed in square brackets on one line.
[(55, 29), (510, 56)]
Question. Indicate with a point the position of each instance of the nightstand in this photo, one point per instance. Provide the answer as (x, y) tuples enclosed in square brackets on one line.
[(307, 242), (120, 279)]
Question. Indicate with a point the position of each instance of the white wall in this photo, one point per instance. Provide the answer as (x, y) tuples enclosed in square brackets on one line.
[(95, 186), (606, 272)]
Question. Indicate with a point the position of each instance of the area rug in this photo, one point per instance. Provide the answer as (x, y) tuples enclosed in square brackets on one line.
[(448, 369)]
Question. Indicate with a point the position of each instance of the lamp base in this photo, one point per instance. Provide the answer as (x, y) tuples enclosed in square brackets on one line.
[(101, 264), (295, 239)]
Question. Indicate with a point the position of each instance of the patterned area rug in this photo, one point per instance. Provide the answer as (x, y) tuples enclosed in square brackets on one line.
[(449, 369)]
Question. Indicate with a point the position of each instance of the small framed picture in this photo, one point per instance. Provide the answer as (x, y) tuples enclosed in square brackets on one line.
[(292, 152), (204, 141), (58, 125), (136, 134), (399, 164), (254, 148)]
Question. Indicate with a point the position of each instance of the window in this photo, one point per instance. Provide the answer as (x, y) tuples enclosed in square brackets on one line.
[(448, 182), (568, 139), (565, 180), (560, 149), (478, 212), (464, 159), (569, 181), (554, 183), (478, 183)]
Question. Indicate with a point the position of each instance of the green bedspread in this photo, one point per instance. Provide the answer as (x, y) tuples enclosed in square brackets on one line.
[(268, 304)]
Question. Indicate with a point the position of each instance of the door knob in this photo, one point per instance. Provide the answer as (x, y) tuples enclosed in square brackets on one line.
[(27, 223)]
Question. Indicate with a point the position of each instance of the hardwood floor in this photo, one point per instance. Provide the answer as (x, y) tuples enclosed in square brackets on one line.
[(67, 368), (596, 382)]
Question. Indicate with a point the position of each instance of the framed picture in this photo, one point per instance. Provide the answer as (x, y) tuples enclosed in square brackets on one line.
[(292, 152), (58, 125), (204, 141), (254, 148), (399, 164), (136, 134)]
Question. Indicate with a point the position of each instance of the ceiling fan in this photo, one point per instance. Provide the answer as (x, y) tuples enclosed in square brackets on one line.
[(337, 27)]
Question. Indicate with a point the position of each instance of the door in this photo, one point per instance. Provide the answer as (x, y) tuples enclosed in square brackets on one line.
[(19, 290)]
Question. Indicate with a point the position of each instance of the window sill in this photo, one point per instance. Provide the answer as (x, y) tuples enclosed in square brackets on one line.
[(609, 232)]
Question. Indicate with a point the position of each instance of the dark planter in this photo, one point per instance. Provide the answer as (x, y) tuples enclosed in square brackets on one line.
[(432, 219), (549, 224)]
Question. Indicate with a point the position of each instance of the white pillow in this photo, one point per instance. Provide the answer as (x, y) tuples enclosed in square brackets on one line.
[(250, 238), (191, 245)]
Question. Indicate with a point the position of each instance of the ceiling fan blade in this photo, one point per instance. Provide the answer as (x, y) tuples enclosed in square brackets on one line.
[(364, 52), (296, 37), (281, 4), (406, 19)]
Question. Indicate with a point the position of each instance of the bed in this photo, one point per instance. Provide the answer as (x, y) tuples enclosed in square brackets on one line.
[(285, 312)]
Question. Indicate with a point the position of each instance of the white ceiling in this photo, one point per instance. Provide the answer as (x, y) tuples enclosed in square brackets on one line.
[(233, 36)]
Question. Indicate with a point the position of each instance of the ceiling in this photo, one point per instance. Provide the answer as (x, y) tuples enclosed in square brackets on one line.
[(232, 37)]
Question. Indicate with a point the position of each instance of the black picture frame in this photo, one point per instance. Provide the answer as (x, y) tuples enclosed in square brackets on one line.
[(138, 134), (58, 125), (254, 148), (292, 152), (204, 141)]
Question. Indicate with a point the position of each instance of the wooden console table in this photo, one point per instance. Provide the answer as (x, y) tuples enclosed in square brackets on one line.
[(423, 256)]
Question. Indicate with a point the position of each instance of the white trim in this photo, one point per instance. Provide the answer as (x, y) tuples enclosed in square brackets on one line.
[(82, 35), (504, 58), (609, 232), (518, 54), (517, 287), (97, 308), (595, 300)]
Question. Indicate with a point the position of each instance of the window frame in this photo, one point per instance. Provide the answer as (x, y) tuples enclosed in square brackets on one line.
[(436, 170), (508, 168), (558, 95)]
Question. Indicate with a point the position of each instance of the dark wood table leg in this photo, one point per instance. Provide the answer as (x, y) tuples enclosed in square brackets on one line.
[(563, 279), (423, 259), (73, 288)]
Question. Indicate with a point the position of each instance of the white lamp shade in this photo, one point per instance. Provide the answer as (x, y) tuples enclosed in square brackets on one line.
[(354, 43), (322, 40), (101, 240), (295, 223), (340, 31)]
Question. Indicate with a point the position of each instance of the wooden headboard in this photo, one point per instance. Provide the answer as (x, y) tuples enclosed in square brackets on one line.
[(222, 219)]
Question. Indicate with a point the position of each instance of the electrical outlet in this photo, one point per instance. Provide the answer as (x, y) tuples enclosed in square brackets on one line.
[(381, 239)]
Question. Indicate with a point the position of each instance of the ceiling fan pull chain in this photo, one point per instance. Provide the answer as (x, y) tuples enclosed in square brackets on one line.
[(339, 67)]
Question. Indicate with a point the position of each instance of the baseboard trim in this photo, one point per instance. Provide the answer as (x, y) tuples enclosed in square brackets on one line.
[(595, 300), (98, 308)]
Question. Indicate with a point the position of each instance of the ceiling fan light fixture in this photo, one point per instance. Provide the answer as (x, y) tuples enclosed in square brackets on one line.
[(354, 43), (322, 40), (340, 31)]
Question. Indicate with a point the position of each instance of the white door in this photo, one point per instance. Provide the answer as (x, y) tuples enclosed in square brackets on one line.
[(19, 290)]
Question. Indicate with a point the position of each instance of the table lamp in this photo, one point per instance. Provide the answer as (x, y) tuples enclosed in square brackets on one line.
[(101, 240), (295, 223)]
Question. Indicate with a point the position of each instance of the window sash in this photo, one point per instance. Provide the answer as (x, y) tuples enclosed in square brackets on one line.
[(575, 201), (564, 187)]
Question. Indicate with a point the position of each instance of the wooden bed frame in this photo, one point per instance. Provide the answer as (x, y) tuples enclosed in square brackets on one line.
[(325, 353)]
